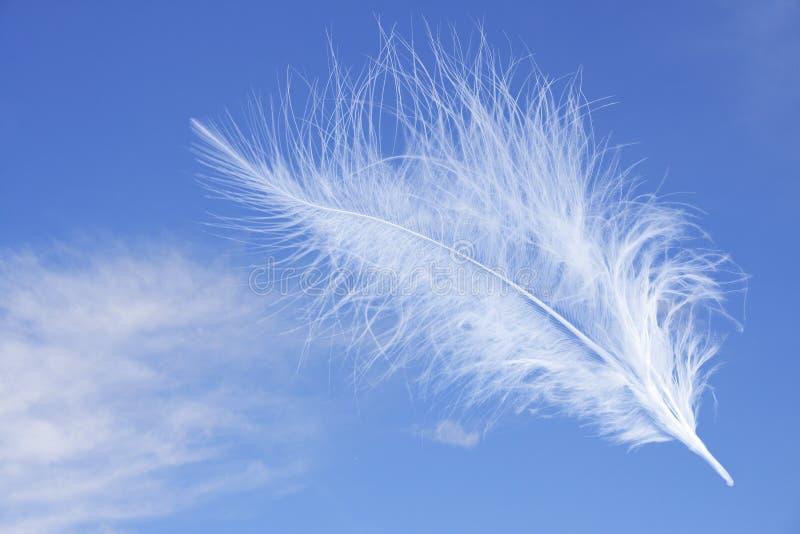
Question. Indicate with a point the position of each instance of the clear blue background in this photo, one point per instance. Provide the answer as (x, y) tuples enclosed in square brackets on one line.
[(95, 99)]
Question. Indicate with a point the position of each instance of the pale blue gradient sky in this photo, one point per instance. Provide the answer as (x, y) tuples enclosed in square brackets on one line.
[(95, 101)]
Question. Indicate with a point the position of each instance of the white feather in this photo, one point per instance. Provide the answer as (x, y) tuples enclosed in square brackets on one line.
[(524, 269)]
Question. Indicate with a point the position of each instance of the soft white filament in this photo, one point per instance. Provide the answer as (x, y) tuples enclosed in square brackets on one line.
[(524, 269)]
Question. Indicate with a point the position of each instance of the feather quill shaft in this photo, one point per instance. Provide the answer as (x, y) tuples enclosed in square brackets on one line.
[(604, 302)]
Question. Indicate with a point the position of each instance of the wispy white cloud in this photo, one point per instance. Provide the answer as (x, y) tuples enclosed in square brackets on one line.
[(452, 433), (133, 383)]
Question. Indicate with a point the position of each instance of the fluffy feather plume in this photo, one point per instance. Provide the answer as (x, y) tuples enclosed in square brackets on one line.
[(491, 242)]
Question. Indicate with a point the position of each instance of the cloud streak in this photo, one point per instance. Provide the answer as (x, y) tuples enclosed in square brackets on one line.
[(449, 432), (134, 383)]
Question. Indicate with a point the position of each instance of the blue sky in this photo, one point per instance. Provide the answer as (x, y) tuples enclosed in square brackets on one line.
[(97, 187)]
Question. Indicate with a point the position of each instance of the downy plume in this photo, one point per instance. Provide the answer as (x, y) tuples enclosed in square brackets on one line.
[(524, 266)]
